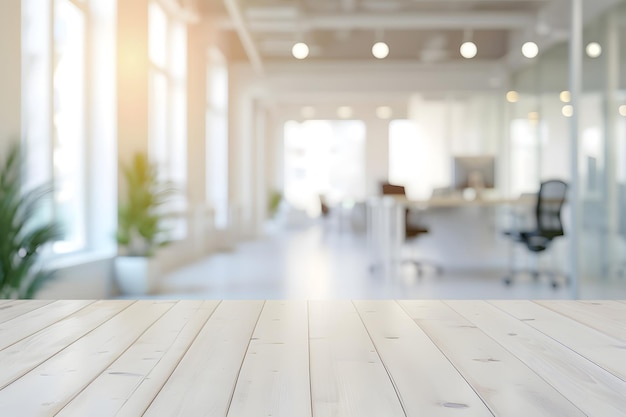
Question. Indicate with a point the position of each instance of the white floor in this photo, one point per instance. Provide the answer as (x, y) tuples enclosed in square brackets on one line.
[(314, 263)]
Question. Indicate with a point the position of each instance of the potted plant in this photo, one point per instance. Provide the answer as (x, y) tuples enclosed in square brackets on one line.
[(22, 234), (140, 231)]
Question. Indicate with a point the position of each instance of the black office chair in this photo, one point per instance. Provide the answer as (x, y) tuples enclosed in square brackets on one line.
[(549, 226), (412, 230)]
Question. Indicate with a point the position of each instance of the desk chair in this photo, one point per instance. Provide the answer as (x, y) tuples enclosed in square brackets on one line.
[(412, 230), (548, 226)]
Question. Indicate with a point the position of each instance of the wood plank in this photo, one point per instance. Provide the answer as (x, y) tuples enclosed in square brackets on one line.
[(48, 388), (347, 376), (203, 382), (16, 308), (603, 350), (23, 356), (143, 369), (592, 389), (506, 385), (606, 317), (18, 328), (409, 354), (274, 379)]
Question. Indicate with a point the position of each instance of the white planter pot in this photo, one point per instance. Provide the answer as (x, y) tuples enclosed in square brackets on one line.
[(136, 275)]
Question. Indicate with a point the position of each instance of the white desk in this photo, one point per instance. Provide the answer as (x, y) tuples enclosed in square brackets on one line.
[(464, 234), (312, 359), (458, 201)]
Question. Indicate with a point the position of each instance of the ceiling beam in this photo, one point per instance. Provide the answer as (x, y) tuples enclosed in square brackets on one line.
[(445, 20), (238, 24)]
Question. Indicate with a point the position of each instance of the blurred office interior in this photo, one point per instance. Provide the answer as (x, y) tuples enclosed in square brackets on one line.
[(279, 121)]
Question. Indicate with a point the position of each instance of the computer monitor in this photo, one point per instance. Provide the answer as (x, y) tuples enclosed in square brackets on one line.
[(473, 172)]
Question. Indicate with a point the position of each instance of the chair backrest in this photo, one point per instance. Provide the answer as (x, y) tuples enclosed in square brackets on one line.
[(550, 201), (390, 189)]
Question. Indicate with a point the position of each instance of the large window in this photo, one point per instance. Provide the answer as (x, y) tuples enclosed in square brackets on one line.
[(68, 116), (324, 158), (168, 110), (217, 136)]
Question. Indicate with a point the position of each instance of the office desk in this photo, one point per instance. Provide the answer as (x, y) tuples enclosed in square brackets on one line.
[(458, 201), (317, 358), (464, 234)]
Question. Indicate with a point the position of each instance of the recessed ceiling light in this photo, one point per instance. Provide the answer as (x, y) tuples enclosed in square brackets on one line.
[(593, 50), (300, 50), (567, 110), (384, 112), (533, 116), (512, 96), (622, 110), (565, 96), (468, 49), (344, 112), (530, 49), (380, 50)]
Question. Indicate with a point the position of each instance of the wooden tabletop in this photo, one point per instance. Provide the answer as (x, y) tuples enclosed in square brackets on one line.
[(316, 358)]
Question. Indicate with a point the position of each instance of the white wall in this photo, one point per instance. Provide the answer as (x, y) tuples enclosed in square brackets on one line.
[(376, 154), (10, 71)]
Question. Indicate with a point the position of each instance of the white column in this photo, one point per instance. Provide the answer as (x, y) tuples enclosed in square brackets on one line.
[(260, 187), (376, 155), (10, 72), (575, 88), (132, 79), (200, 221)]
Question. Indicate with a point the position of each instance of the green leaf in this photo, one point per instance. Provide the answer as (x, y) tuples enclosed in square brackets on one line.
[(22, 235), (139, 220)]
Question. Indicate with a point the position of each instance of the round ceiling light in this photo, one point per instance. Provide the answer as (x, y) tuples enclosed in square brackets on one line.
[(380, 50), (530, 49), (344, 112), (512, 96), (300, 50), (593, 50), (622, 110), (468, 50), (565, 96), (567, 110), (384, 112)]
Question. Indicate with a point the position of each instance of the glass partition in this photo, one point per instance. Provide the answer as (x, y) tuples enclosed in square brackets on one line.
[(540, 147)]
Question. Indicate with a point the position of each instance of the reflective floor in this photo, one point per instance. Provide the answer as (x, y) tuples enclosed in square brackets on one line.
[(316, 263)]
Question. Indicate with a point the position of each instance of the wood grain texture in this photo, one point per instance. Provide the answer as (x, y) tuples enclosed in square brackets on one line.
[(589, 387), (128, 386), (274, 378), (347, 376), (506, 384), (312, 359), (18, 328), (608, 317), (46, 389), (203, 382), (16, 308), (427, 383), (23, 356), (598, 347)]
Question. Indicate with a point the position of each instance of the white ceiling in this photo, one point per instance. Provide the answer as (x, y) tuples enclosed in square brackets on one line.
[(424, 31), (424, 37)]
